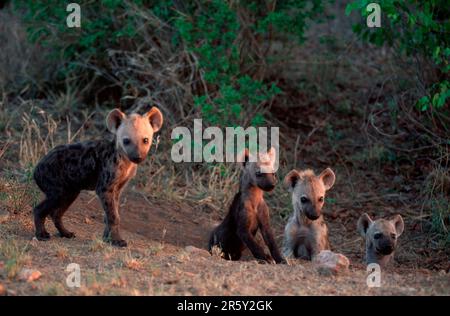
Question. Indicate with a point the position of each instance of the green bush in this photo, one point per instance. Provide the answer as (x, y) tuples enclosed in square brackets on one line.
[(218, 33), (229, 39), (104, 25), (414, 27)]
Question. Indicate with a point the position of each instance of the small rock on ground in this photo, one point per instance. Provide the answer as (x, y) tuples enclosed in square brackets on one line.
[(29, 275), (4, 216), (330, 263), (197, 251), (11, 293)]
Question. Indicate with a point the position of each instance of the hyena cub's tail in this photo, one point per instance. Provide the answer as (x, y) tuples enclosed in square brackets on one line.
[(215, 242), (212, 241)]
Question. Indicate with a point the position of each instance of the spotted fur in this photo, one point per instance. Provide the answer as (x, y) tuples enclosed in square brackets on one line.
[(104, 165), (381, 237), (306, 233)]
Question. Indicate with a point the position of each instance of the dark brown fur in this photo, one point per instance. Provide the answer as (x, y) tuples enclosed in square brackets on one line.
[(248, 213)]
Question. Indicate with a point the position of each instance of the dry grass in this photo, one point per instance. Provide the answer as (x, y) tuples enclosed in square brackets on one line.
[(35, 144), (62, 252), (132, 262), (436, 192), (17, 197), (338, 110), (217, 252), (14, 254), (24, 67), (139, 270), (98, 245)]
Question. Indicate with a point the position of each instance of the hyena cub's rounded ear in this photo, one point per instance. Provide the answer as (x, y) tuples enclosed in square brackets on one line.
[(243, 157), (113, 120), (291, 179), (156, 118), (363, 224), (328, 177), (272, 154), (399, 225)]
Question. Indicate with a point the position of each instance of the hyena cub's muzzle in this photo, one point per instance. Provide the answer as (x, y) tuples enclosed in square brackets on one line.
[(308, 190), (133, 135), (133, 153), (310, 210), (385, 243), (266, 181), (381, 236)]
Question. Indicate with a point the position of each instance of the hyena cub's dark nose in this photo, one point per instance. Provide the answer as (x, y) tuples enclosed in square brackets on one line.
[(268, 183), (267, 186), (385, 246), (312, 216), (137, 159), (311, 213), (386, 250)]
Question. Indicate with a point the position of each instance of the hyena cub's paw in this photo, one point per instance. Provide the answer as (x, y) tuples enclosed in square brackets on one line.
[(67, 234), (43, 236), (119, 243), (266, 260), (281, 261)]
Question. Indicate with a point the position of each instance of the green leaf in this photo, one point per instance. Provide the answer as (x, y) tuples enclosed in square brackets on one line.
[(351, 7), (423, 103)]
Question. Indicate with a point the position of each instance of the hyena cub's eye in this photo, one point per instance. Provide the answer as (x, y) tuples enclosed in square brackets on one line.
[(303, 199), (146, 140), (126, 141), (321, 199), (377, 236), (393, 236)]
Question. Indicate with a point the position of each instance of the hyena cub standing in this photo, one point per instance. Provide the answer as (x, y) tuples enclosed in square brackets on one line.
[(249, 212), (103, 165), (306, 233), (381, 237)]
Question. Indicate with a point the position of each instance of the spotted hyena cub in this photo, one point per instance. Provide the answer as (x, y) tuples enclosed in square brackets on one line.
[(103, 165), (306, 233), (249, 212), (381, 237)]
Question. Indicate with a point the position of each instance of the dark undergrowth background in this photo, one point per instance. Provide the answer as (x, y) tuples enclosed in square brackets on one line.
[(373, 104)]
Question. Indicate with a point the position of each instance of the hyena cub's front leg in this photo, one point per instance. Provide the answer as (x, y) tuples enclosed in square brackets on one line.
[(290, 240), (110, 203), (270, 242), (267, 233), (249, 240)]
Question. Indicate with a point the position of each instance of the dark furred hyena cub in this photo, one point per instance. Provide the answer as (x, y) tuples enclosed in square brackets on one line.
[(249, 212), (103, 165)]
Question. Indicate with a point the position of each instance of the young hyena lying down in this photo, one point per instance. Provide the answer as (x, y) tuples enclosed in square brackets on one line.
[(249, 212), (306, 233), (381, 237), (103, 165)]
